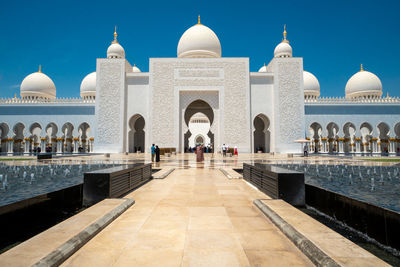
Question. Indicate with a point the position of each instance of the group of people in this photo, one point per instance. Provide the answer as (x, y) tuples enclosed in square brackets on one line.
[(206, 149), (155, 153), (225, 149)]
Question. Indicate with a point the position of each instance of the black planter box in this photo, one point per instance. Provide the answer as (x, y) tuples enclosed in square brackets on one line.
[(44, 156), (277, 183), (113, 182)]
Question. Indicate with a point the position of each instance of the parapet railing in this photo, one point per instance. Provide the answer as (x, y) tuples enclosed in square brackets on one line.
[(343, 100), (67, 100)]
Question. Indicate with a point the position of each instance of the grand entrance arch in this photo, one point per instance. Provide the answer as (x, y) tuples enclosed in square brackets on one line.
[(199, 116), (136, 134)]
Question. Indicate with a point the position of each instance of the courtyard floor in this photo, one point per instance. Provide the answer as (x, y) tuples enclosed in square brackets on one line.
[(196, 216)]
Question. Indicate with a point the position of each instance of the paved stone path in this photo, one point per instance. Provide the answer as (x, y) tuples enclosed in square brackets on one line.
[(194, 217)]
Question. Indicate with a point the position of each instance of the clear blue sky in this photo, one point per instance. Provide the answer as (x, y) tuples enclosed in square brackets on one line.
[(66, 37)]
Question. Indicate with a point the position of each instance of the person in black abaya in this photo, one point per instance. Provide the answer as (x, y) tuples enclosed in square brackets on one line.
[(157, 154)]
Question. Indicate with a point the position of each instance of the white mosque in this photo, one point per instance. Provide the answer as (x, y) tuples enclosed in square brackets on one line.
[(200, 97)]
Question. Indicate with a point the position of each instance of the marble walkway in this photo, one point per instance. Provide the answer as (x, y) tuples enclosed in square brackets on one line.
[(194, 217)]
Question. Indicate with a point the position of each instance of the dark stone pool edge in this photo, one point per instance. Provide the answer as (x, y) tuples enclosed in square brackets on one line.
[(63, 252), (316, 255), (378, 223)]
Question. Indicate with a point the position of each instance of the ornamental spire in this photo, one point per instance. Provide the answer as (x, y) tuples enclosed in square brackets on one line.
[(361, 69), (198, 20), (115, 36), (285, 34), (40, 69)]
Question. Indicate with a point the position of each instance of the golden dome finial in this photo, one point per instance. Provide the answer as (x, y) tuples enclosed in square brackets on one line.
[(198, 20), (40, 69), (15, 95), (115, 36), (264, 64), (362, 68), (284, 32), (387, 95)]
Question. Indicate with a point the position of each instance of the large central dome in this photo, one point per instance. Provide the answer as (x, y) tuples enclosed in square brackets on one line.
[(199, 41)]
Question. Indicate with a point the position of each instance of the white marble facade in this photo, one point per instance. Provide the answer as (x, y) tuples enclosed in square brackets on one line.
[(174, 83), (122, 109)]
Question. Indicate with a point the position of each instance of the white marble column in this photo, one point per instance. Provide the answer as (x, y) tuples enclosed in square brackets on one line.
[(75, 146), (341, 144), (59, 146), (374, 146), (10, 145), (42, 146), (27, 145)]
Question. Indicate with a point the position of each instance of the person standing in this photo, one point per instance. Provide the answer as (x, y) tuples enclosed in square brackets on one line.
[(157, 154), (236, 151), (305, 151), (153, 153), (199, 153), (223, 150)]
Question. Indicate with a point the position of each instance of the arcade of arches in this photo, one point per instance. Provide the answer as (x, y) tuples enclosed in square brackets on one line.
[(351, 138), (329, 138), (64, 139)]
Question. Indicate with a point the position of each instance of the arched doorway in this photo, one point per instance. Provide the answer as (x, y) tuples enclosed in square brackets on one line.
[(18, 130), (198, 118), (199, 140), (35, 132), (316, 133), (67, 131), (333, 131), (83, 130), (366, 134), (136, 134), (397, 132), (199, 127), (51, 132), (349, 130), (384, 131), (4, 129), (261, 134)]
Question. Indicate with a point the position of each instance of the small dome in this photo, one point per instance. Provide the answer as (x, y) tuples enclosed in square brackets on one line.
[(363, 84), (115, 50), (283, 49), (263, 69), (38, 85), (88, 86), (199, 41), (135, 69), (311, 85)]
